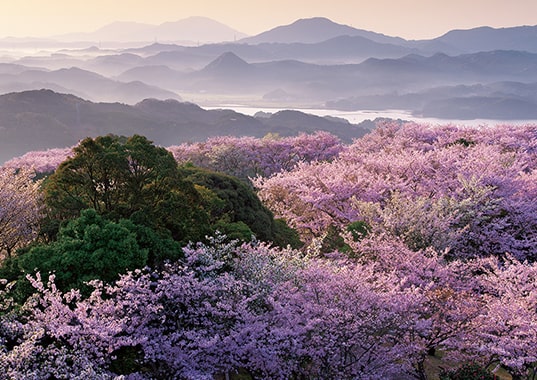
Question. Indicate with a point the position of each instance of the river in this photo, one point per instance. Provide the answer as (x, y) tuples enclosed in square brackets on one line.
[(356, 117)]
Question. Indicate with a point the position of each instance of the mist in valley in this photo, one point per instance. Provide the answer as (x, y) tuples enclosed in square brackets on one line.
[(475, 74), (315, 201)]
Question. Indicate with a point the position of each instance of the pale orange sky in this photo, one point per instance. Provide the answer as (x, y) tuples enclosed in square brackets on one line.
[(411, 19)]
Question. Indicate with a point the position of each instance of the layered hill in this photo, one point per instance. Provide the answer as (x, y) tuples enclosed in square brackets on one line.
[(82, 83), (369, 84), (312, 30), (38, 120), (311, 62), (188, 30)]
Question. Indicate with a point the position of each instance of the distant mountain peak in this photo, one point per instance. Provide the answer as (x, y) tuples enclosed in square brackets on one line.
[(226, 63), (310, 20), (192, 29), (486, 38), (314, 30), (43, 97), (315, 21)]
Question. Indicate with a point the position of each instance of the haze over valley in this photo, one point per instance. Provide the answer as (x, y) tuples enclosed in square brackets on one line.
[(312, 63), (264, 193)]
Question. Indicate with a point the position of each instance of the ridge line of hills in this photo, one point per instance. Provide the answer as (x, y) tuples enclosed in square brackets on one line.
[(480, 73), (196, 30), (408, 80), (44, 119)]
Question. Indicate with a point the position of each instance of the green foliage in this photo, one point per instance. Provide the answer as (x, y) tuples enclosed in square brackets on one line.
[(359, 229), (127, 360), (332, 240), (121, 204), (126, 178), (235, 209), (285, 235), (93, 178), (161, 248), (333, 237), (234, 230), (88, 248), (464, 142), (91, 247), (132, 179), (470, 371), (240, 203)]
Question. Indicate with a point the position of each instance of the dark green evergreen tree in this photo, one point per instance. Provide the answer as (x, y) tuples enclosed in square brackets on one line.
[(235, 210), (126, 178)]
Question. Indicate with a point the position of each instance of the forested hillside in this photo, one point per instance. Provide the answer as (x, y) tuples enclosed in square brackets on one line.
[(407, 254), (43, 119)]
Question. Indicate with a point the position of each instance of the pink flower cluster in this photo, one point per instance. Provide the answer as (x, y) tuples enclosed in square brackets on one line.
[(246, 157), (468, 190), (21, 208), (41, 161), (278, 314), (446, 263)]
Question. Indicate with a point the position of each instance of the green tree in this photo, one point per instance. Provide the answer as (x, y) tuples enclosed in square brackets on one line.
[(468, 371), (89, 247), (126, 178), (235, 210)]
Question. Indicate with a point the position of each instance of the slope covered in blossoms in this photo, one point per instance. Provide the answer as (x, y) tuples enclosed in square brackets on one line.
[(467, 190), (419, 248)]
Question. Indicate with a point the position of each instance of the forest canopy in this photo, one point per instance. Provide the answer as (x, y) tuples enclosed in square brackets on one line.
[(411, 249)]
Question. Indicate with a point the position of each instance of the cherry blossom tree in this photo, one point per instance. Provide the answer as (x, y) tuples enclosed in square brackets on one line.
[(445, 187), (246, 157), (507, 325), (226, 308), (437, 254), (275, 313), (436, 300), (41, 161), (21, 207)]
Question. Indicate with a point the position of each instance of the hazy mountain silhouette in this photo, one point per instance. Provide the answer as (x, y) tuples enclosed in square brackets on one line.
[(314, 30), (321, 40), (231, 74), (483, 66), (192, 29), (309, 62), (113, 64), (37, 120), (13, 69), (84, 83), (227, 64), (201, 30), (473, 40), (341, 49), (278, 95), (157, 75), (476, 107), (375, 78), (523, 38), (498, 101)]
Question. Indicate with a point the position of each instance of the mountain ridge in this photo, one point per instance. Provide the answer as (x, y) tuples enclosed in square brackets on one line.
[(522, 37), (192, 29), (345, 67), (305, 30), (312, 30), (43, 119)]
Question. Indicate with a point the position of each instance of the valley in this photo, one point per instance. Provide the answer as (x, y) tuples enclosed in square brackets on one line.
[(313, 65), (181, 200)]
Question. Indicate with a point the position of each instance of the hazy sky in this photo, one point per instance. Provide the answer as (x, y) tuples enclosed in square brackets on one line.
[(411, 19)]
